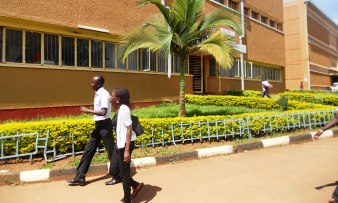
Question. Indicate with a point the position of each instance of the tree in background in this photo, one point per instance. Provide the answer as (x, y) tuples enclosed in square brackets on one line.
[(184, 29)]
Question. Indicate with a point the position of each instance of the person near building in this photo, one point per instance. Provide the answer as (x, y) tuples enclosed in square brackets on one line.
[(332, 123), (301, 86), (265, 88), (125, 144), (102, 131)]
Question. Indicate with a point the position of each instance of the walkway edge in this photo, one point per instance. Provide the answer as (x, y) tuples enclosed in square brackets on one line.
[(57, 174)]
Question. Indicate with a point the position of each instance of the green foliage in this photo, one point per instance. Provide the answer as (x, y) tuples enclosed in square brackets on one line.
[(252, 93), (318, 98), (283, 102), (246, 93), (171, 110), (234, 92), (164, 129)]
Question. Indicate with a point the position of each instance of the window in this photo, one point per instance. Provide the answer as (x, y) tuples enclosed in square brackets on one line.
[(264, 19), (254, 15), (132, 61), (82, 52), (96, 54), (220, 1), (272, 23), (14, 46), (333, 62), (246, 11), (68, 51), (153, 57), (212, 68), (33, 47), (120, 64), (161, 62), (51, 43), (279, 27), (144, 59), (248, 70), (268, 73), (109, 50), (232, 4), (1, 44), (332, 40)]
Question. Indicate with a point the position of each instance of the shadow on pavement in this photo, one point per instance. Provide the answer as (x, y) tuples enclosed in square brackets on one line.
[(147, 193), (327, 185)]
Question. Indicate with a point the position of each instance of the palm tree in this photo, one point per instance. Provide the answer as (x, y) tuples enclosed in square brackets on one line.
[(183, 29)]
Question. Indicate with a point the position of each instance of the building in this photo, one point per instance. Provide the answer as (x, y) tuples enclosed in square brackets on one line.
[(50, 50), (310, 45)]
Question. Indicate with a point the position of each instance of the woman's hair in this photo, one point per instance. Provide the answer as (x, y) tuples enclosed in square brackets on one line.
[(123, 95)]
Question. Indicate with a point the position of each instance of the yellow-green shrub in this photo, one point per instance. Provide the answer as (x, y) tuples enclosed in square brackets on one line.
[(319, 98)]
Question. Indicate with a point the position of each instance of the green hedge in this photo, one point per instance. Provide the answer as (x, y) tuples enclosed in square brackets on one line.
[(250, 102), (326, 99), (83, 127), (246, 93)]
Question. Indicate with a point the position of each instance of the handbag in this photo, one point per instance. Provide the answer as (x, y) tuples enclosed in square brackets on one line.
[(136, 125)]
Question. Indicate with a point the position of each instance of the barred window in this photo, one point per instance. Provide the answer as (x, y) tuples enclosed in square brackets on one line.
[(110, 55), (51, 44), (254, 15), (212, 68), (246, 11), (14, 46), (1, 44), (161, 62), (144, 59), (96, 54), (68, 51), (132, 61), (33, 47), (232, 4), (153, 57), (248, 70), (120, 64), (82, 52)]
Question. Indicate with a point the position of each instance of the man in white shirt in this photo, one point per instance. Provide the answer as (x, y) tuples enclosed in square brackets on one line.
[(265, 88), (103, 130)]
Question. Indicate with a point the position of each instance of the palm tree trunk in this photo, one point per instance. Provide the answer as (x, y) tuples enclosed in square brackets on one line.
[(181, 111)]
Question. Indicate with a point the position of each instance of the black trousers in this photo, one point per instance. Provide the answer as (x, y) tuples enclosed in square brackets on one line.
[(266, 92), (121, 169), (335, 194), (103, 131)]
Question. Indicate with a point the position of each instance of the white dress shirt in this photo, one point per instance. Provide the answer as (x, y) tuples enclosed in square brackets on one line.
[(101, 100)]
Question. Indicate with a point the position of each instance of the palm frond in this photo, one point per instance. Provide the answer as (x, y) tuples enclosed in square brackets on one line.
[(222, 17), (221, 47), (164, 10), (153, 35)]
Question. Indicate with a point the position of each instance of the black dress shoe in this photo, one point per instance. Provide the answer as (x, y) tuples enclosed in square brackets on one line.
[(80, 181), (113, 181)]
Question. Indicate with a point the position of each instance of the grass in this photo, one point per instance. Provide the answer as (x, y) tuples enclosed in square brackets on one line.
[(171, 110), (166, 110)]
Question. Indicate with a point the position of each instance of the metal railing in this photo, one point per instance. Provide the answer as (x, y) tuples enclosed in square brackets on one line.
[(191, 132)]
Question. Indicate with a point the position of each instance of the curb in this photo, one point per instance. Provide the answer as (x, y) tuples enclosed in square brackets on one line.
[(45, 175)]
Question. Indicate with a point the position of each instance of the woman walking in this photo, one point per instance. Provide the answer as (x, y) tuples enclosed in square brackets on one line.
[(125, 141)]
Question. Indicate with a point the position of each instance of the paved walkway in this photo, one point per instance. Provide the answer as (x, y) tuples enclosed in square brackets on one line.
[(288, 174)]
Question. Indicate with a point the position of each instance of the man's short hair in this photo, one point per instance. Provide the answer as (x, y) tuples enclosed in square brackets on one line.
[(100, 79)]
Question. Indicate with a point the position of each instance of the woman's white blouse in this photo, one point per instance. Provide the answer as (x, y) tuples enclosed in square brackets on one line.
[(123, 120)]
